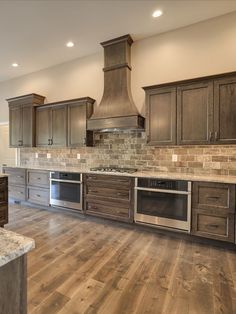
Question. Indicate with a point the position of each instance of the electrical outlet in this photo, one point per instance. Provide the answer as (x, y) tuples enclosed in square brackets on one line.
[(36, 155), (78, 156), (48, 156), (174, 157)]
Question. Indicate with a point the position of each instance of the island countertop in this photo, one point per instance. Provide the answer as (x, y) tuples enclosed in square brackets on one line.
[(13, 245)]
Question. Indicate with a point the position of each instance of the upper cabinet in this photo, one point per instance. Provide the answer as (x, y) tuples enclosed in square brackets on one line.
[(195, 113), (199, 111), (22, 119), (51, 126), (64, 123), (225, 110), (161, 116)]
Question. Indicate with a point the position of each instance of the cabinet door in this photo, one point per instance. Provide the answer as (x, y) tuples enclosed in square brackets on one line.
[(161, 116), (59, 126), (225, 110), (195, 113), (15, 122), (28, 126), (76, 125), (43, 126)]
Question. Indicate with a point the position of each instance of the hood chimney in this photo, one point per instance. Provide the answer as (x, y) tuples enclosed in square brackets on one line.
[(117, 109)]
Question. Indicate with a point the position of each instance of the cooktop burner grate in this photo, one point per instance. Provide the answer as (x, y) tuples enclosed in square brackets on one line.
[(114, 169)]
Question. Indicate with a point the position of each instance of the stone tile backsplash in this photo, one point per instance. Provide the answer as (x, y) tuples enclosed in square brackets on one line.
[(129, 149)]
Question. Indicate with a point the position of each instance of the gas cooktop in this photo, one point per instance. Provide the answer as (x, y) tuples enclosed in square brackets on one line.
[(114, 169)]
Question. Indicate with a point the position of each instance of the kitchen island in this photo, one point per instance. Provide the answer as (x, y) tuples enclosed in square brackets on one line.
[(13, 272)]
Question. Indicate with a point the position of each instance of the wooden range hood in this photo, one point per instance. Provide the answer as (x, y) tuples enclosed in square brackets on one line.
[(117, 109)]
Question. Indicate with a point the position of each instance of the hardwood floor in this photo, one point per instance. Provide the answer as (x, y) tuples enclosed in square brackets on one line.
[(94, 266)]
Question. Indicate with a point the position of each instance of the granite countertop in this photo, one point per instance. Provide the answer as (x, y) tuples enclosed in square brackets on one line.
[(147, 174), (13, 245), (3, 175)]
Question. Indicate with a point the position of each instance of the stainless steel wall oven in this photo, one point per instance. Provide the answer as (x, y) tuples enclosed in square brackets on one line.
[(164, 203), (66, 190)]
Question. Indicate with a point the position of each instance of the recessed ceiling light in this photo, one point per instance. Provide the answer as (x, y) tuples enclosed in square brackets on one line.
[(15, 65), (157, 13), (70, 44)]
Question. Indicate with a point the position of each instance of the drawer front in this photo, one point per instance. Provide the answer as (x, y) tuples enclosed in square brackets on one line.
[(109, 193), (38, 196), (108, 210), (3, 214), (3, 184), (214, 196), (218, 227), (108, 180), (17, 193), (16, 176), (38, 178)]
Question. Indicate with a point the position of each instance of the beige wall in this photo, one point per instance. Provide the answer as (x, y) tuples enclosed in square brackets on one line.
[(197, 50), (7, 155)]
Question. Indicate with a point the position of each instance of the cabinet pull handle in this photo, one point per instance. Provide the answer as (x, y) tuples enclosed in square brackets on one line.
[(213, 226), (38, 195), (214, 197), (216, 135), (49, 141)]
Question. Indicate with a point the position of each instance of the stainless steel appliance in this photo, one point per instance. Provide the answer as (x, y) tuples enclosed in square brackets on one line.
[(114, 169), (66, 190), (163, 203)]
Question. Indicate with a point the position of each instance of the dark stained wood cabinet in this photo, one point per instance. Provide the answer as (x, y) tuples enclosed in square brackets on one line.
[(16, 182), (79, 110), (225, 110), (213, 211), (64, 123), (51, 126), (195, 113), (3, 201), (22, 119), (109, 196), (206, 111), (161, 116)]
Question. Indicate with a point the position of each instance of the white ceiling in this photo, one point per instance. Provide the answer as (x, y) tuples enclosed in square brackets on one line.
[(33, 33)]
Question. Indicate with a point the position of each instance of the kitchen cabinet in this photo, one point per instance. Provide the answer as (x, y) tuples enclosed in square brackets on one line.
[(206, 111), (16, 182), (161, 116), (51, 126), (38, 187), (3, 201), (79, 110), (195, 113), (22, 119), (225, 110), (109, 197), (213, 211), (64, 123)]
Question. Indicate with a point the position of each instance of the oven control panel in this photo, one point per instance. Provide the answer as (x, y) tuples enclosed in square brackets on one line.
[(177, 185)]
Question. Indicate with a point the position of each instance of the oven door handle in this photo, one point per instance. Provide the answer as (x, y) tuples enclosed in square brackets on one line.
[(162, 191), (66, 181)]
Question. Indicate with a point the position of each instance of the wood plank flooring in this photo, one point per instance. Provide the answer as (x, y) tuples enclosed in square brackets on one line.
[(87, 265)]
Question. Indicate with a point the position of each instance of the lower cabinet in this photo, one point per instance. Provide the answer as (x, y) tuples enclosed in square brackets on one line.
[(109, 197), (16, 182), (3, 201), (38, 187), (213, 211)]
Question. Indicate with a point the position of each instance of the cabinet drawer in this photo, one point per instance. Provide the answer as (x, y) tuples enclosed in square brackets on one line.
[(3, 214), (17, 193), (108, 180), (3, 184), (38, 178), (108, 210), (214, 196), (109, 193), (214, 226), (3, 195), (16, 176), (38, 196)]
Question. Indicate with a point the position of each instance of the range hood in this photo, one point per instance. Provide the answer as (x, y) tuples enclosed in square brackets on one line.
[(117, 110)]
